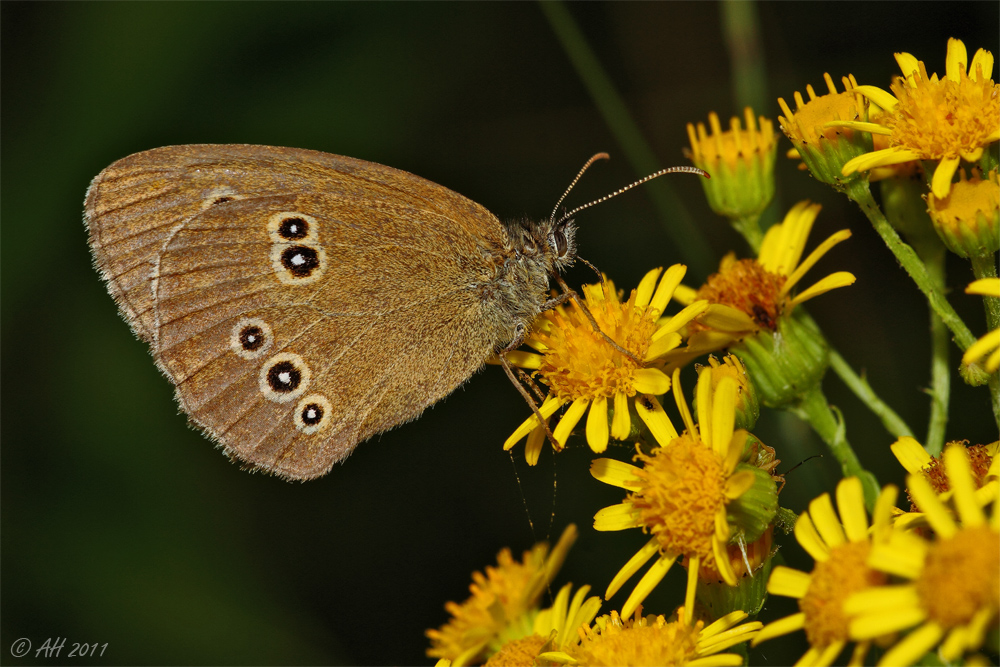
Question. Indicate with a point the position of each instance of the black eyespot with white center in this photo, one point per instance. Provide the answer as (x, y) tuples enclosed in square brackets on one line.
[(313, 413), (251, 337), (293, 229), (284, 377), (300, 260)]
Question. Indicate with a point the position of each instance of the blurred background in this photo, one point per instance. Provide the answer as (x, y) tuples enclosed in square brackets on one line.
[(122, 525)]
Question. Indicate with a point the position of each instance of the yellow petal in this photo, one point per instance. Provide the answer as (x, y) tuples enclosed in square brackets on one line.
[(616, 517), (654, 575), (910, 454), (913, 646), (703, 400), (878, 96), (616, 473), (826, 521), (525, 359), (652, 414), (723, 415), (738, 484), (644, 291), (633, 565), (597, 425), (814, 257), (831, 282), (722, 562), (982, 66), (851, 503), (981, 347), (878, 600), (788, 582), (651, 381), (621, 424), (956, 62), (903, 555), (660, 346), (677, 321), (943, 173), (805, 533), (782, 626), (927, 500), (726, 318), (684, 294), (985, 287), (548, 408), (533, 447), (956, 464), (908, 64), (668, 283), (569, 420), (872, 128), (882, 158)]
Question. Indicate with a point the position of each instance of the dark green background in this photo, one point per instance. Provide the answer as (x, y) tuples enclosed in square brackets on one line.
[(122, 525)]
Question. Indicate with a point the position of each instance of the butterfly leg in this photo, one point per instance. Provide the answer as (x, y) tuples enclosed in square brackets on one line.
[(571, 294), (514, 344)]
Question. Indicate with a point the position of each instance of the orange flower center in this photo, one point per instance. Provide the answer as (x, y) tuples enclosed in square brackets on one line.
[(747, 286), (642, 643), (578, 361), (961, 576), (517, 653), (832, 582), (934, 471), (681, 493), (940, 118)]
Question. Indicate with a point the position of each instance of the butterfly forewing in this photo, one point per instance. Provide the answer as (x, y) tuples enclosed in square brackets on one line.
[(299, 301)]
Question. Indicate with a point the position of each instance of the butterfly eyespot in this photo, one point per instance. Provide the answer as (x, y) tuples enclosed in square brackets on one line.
[(220, 196), (292, 227), (313, 413), (298, 264), (251, 338), (284, 377)]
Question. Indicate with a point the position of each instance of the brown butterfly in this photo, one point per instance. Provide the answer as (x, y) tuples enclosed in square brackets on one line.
[(301, 302)]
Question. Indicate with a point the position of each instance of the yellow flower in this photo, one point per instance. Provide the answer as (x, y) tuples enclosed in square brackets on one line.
[(840, 548), (748, 296), (825, 149), (652, 640), (740, 162), (582, 370), (928, 118), (985, 467), (747, 407), (555, 629), (952, 592), (683, 492), (503, 600), (986, 350), (968, 219)]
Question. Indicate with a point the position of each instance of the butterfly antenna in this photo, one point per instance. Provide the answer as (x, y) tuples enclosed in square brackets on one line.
[(669, 170), (599, 156)]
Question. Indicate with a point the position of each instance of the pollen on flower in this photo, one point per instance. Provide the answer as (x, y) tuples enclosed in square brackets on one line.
[(579, 363), (935, 473), (832, 582), (640, 641), (747, 286), (961, 576), (517, 653), (682, 490), (936, 118)]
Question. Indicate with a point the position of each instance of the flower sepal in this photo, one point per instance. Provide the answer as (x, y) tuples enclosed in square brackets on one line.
[(751, 514), (784, 364), (750, 592)]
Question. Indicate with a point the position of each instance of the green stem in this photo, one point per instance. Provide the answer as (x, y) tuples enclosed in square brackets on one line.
[(892, 422), (940, 389), (749, 228), (741, 31), (986, 267), (858, 192), (686, 236), (814, 409)]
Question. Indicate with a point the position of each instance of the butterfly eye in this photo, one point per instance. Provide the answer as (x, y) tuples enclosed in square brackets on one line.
[(558, 241)]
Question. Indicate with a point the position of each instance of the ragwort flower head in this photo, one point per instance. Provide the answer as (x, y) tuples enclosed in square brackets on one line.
[(691, 494), (582, 370), (840, 547), (968, 219), (504, 601), (934, 119), (951, 595)]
